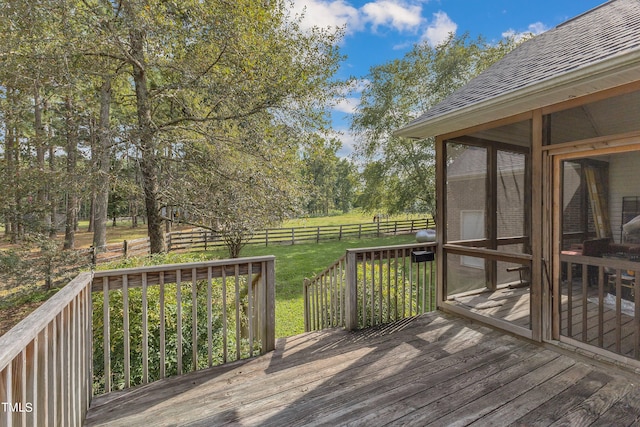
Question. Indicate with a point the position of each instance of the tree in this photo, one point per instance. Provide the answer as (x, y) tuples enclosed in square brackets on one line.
[(400, 174), (199, 63)]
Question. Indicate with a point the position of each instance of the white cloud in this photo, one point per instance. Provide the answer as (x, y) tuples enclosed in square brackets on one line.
[(535, 29), (324, 14), (439, 29), (399, 15), (394, 14), (348, 142), (347, 105)]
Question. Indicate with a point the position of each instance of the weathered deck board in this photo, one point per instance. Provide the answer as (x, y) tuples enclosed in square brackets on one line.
[(435, 369)]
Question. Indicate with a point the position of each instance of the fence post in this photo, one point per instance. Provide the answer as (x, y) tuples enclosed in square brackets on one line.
[(378, 232), (125, 246), (412, 226), (266, 237), (293, 236), (359, 231), (340, 235), (318, 236), (205, 239), (395, 228), (351, 292)]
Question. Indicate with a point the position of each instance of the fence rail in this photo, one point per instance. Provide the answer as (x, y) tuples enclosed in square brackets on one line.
[(204, 239), (371, 286)]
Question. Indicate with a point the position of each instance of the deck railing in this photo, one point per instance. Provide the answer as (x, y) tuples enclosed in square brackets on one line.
[(154, 322), (600, 303), (372, 286), (45, 361), (115, 329)]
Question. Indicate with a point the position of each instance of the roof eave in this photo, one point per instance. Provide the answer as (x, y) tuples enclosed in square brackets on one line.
[(615, 71)]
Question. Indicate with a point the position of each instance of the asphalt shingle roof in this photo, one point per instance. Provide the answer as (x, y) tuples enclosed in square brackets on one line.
[(608, 30)]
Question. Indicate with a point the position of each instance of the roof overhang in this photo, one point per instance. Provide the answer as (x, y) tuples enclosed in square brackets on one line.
[(615, 71)]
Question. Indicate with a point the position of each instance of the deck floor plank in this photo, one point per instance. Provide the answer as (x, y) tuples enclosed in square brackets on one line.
[(434, 368)]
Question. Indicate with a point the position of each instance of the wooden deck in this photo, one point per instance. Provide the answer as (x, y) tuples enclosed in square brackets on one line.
[(511, 305), (431, 370)]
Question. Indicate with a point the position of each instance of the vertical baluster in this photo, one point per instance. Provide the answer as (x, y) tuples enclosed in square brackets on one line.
[(106, 342), (600, 306), (380, 282), (194, 319), (238, 307), (585, 282), (145, 332), (618, 310), (331, 298), (125, 325), (410, 288), (395, 285), (431, 285), (210, 317), (179, 319), (364, 289), (23, 384), (424, 288), (389, 284), (73, 362), (55, 372), (8, 386), (225, 323), (163, 339), (569, 300), (250, 305), (373, 287), (404, 284)]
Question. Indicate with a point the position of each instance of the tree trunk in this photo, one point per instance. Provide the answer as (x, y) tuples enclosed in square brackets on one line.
[(72, 197), (44, 220), (103, 160), (53, 231), (149, 161)]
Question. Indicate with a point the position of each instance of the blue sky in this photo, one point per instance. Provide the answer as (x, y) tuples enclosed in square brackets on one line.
[(377, 31)]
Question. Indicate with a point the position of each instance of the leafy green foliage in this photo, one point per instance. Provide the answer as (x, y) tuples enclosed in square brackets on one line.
[(237, 334), (399, 173)]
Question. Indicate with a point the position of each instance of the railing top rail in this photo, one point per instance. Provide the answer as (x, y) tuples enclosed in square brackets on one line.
[(610, 262), (325, 271), (384, 248), (15, 340), (184, 266)]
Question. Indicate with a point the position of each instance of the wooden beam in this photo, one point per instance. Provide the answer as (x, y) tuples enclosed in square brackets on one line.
[(533, 206), (441, 225)]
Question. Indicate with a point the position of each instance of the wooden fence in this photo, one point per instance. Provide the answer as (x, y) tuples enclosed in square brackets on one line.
[(58, 357), (200, 239), (372, 286)]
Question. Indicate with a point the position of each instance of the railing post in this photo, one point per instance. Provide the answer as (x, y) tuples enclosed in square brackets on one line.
[(269, 329), (305, 293), (351, 293)]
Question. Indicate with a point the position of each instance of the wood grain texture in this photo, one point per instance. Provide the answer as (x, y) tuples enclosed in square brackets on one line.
[(432, 369)]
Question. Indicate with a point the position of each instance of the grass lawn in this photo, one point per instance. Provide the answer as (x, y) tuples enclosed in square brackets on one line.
[(294, 263)]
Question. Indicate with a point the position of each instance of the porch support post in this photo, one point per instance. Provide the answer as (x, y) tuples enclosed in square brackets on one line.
[(538, 288), (351, 293), (441, 231)]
